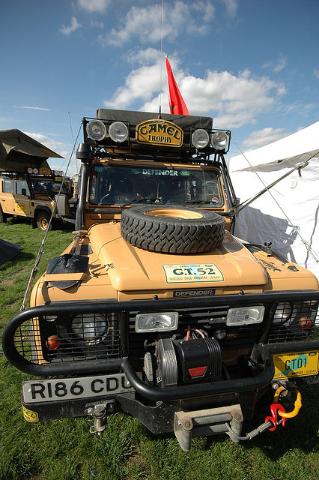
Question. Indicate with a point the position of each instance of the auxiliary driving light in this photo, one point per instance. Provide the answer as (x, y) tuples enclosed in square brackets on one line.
[(92, 330), (220, 140), (156, 322), (96, 130), (118, 132), (282, 314), (245, 315), (200, 138)]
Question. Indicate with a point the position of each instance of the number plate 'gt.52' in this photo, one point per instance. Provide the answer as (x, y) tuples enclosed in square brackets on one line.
[(71, 388), (206, 272)]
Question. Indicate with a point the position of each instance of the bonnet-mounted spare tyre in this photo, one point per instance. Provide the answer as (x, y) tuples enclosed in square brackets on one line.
[(173, 229)]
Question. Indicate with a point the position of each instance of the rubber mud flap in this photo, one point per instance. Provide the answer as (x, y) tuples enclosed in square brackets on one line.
[(174, 229)]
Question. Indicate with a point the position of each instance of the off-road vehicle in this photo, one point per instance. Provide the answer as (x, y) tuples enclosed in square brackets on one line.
[(156, 309), (35, 196)]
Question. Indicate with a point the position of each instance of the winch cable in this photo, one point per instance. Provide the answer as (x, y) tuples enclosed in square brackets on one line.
[(44, 239), (267, 189)]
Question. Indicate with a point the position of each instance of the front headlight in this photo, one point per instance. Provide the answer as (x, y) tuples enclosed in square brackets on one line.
[(245, 315), (91, 330), (156, 322), (220, 140)]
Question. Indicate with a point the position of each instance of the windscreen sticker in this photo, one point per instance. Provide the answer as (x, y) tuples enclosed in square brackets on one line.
[(201, 272)]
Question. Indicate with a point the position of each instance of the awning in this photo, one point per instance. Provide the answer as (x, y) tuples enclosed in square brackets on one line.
[(289, 162)]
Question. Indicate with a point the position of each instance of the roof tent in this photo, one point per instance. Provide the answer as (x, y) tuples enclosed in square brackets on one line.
[(18, 151), (134, 118)]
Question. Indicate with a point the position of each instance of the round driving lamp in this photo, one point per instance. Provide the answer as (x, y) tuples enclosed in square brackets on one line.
[(96, 130), (282, 314), (200, 138), (118, 132), (220, 140), (91, 330)]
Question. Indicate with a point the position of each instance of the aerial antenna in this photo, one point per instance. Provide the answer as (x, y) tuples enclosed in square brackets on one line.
[(46, 233), (161, 75), (72, 136)]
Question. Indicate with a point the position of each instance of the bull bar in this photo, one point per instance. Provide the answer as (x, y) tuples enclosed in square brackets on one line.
[(262, 350)]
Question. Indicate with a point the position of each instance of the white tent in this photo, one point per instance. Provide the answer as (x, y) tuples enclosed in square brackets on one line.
[(288, 214)]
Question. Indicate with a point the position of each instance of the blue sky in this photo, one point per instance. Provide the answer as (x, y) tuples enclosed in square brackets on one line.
[(251, 64)]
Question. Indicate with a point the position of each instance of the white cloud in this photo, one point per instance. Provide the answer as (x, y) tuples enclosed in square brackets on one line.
[(94, 5), (97, 24), (233, 99), (278, 65), (231, 6), (207, 9), (67, 30), (316, 72), (263, 137), (7, 120), (145, 24), (281, 64), (27, 107), (54, 145), (140, 84), (144, 57)]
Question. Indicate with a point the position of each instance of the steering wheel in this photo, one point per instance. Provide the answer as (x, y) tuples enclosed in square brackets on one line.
[(104, 196)]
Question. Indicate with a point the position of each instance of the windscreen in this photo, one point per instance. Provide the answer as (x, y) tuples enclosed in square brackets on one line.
[(122, 185), (48, 187)]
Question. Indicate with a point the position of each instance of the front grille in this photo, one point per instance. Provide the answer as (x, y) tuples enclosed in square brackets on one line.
[(71, 338), (195, 317), (293, 322), (61, 337), (210, 319)]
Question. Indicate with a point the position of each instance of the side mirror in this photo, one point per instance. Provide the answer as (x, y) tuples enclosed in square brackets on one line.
[(83, 152), (23, 191)]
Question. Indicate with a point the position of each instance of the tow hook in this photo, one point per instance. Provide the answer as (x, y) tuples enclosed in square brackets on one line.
[(275, 410), (99, 414), (278, 416)]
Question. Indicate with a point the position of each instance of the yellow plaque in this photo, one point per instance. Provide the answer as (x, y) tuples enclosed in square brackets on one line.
[(159, 132), (300, 364), (29, 415), (200, 272)]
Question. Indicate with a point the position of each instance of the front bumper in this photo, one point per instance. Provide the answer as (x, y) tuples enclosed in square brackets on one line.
[(154, 406)]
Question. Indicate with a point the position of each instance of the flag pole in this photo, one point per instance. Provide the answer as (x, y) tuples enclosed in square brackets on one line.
[(161, 59)]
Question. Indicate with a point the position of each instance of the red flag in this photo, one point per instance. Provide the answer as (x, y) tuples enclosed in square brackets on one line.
[(176, 101)]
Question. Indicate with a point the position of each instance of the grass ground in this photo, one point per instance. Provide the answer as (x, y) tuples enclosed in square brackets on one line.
[(65, 450)]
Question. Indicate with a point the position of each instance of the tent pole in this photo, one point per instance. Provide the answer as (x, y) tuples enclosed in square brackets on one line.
[(245, 204)]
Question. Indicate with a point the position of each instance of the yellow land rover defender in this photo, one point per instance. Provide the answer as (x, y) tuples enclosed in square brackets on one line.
[(156, 309), (34, 196)]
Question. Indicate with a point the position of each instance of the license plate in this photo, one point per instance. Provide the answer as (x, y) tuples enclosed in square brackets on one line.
[(301, 364), (36, 391), (206, 272)]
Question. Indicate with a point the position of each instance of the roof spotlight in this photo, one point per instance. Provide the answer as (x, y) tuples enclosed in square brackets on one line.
[(96, 130), (220, 140), (200, 138), (118, 132)]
